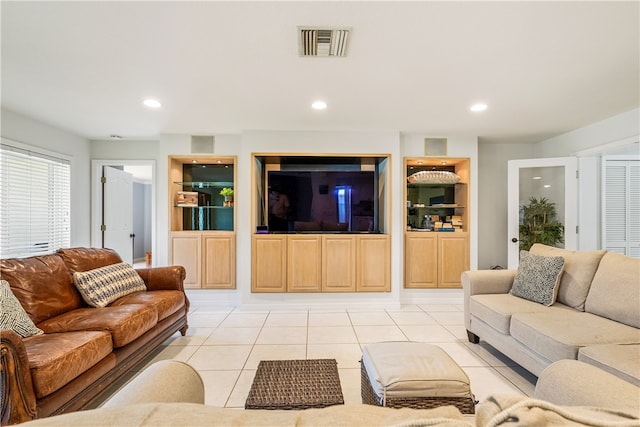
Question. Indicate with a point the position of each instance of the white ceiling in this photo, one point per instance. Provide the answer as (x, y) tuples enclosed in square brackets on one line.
[(544, 68)]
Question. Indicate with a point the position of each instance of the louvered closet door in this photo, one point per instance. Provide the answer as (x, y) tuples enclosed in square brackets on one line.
[(621, 206)]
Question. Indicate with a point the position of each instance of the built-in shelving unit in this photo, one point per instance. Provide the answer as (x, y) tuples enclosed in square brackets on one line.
[(437, 224), (202, 221)]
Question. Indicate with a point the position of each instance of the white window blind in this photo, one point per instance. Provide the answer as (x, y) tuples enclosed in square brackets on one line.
[(35, 194), (621, 210)]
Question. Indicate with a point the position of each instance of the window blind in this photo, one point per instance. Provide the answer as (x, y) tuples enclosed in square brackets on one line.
[(35, 202)]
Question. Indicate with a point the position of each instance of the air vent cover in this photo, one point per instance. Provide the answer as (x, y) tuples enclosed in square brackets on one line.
[(316, 41)]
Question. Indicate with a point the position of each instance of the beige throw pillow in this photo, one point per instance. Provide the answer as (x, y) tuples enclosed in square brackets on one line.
[(13, 316)]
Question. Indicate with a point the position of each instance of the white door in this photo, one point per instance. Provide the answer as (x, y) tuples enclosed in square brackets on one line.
[(553, 179), (117, 212)]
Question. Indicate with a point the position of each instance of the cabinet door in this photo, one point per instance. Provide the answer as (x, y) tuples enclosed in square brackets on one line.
[(453, 258), (421, 260), (304, 263), (373, 263), (269, 254), (219, 261), (185, 251), (338, 263)]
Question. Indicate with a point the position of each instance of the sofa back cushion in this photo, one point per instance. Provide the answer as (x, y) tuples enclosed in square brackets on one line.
[(85, 259), (43, 285), (615, 290), (579, 269)]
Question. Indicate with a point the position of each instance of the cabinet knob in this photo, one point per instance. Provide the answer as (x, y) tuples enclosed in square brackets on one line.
[(514, 240)]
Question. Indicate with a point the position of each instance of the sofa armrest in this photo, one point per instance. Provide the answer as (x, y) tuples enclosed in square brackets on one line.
[(488, 281), (166, 381), (574, 383), (18, 396), (477, 282), (163, 278)]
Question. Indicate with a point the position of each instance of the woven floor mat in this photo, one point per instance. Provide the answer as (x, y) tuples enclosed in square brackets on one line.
[(295, 384)]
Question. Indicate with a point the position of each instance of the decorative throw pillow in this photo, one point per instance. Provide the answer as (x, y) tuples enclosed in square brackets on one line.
[(13, 316), (538, 278), (104, 285)]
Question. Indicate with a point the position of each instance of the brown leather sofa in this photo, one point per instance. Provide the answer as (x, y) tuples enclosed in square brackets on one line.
[(83, 349)]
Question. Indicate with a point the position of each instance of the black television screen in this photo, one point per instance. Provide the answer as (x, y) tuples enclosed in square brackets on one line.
[(322, 201)]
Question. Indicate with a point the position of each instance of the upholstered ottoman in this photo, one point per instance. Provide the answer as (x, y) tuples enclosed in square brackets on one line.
[(413, 375)]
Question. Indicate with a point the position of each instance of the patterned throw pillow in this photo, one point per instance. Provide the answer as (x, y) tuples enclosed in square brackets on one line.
[(538, 278), (13, 316), (104, 285)]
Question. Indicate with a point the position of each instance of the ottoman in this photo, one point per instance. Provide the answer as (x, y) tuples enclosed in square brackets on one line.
[(414, 375)]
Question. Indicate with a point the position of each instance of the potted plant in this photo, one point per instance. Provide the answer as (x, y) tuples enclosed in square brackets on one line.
[(227, 193), (539, 224)]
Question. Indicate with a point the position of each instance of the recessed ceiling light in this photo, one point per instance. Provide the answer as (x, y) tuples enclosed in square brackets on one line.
[(319, 105), (114, 136), (152, 103), (194, 161), (537, 177), (478, 107), (546, 186)]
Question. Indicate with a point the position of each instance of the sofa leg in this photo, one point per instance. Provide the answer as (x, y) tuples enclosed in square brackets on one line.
[(183, 330), (473, 338)]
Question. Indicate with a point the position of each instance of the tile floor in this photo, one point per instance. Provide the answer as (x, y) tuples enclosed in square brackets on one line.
[(225, 345)]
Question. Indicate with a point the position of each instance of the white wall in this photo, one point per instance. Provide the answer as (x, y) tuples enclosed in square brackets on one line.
[(617, 128), (28, 131)]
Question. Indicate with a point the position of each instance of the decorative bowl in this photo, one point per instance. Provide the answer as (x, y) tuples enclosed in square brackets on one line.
[(433, 177)]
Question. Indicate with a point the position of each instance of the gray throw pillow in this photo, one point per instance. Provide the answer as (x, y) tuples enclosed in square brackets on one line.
[(104, 285), (538, 278), (13, 316)]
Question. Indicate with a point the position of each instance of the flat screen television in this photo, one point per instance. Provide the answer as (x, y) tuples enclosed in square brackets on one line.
[(331, 201)]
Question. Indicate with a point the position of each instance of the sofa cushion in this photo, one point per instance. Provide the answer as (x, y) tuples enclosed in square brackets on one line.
[(125, 323), (164, 302), (559, 334), (43, 285), (13, 316), (621, 360), (496, 309), (101, 286), (56, 359), (614, 291), (84, 259), (579, 269), (538, 278)]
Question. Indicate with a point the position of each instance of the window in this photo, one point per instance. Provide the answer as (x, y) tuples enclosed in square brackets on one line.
[(35, 193)]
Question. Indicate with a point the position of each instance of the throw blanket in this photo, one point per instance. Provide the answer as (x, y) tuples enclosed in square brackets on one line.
[(508, 410)]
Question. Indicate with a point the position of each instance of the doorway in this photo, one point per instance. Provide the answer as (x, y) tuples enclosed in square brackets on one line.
[(553, 180), (142, 243)]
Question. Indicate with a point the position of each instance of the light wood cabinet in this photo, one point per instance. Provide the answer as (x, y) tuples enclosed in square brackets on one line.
[(321, 263), (453, 259), (208, 258), (304, 272), (374, 263), (185, 251), (219, 261), (338, 263), (421, 260), (435, 260), (269, 268)]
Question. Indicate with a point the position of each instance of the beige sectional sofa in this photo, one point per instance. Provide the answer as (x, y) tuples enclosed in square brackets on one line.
[(595, 318), (171, 393)]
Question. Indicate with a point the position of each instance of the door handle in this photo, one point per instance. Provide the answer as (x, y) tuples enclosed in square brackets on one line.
[(514, 240)]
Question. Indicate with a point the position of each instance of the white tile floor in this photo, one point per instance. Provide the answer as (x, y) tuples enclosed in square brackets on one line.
[(225, 345)]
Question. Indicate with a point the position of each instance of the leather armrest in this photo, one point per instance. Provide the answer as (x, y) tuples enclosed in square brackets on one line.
[(18, 397), (163, 278)]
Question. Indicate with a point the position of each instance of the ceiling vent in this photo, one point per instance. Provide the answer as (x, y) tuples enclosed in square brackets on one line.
[(316, 41)]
